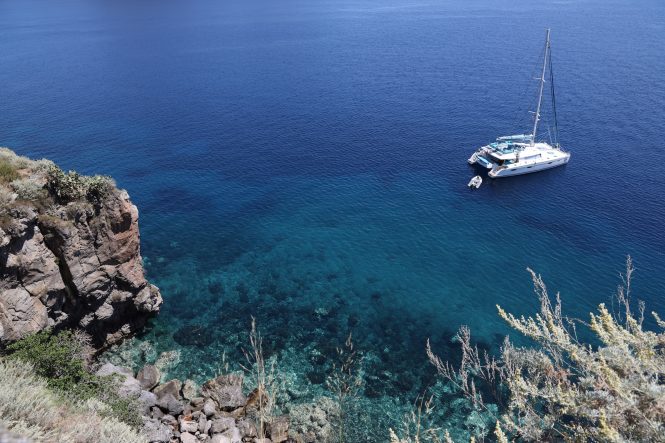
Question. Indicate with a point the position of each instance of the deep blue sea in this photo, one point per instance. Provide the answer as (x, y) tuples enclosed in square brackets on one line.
[(304, 162)]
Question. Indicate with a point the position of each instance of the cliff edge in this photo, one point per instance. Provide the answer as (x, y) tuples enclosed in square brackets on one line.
[(69, 254)]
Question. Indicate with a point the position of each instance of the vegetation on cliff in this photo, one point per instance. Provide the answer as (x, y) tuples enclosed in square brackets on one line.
[(50, 395), (63, 361), (41, 181)]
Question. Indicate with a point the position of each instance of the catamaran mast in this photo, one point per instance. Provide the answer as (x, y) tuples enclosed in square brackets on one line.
[(540, 92)]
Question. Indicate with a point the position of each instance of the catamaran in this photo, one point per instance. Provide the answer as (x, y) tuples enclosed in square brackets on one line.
[(523, 154)]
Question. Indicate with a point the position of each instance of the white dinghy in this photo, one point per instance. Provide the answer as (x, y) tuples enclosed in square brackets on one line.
[(475, 182)]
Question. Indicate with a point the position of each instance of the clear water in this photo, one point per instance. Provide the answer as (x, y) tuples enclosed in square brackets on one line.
[(305, 163)]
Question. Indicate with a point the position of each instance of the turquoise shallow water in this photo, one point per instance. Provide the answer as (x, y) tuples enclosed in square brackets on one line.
[(306, 165)]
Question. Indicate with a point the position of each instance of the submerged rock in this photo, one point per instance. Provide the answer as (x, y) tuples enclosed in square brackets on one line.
[(198, 335), (278, 429), (314, 421)]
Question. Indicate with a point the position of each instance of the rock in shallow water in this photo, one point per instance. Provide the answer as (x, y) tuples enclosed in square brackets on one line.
[(149, 377), (226, 391), (198, 335), (170, 387), (278, 429)]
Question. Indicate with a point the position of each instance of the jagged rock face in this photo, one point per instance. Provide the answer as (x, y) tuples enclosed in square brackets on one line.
[(76, 265)]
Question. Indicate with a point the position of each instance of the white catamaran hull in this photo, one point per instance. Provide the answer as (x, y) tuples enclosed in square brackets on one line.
[(523, 153), (527, 169)]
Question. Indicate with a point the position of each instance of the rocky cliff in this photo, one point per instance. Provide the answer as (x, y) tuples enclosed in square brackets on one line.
[(69, 254)]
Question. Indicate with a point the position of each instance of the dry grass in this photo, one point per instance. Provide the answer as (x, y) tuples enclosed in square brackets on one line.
[(28, 408), (566, 390), (345, 382), (264, 376)]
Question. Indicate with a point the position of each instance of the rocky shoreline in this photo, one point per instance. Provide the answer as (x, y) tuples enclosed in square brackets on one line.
[(217, 412), (70, 259)]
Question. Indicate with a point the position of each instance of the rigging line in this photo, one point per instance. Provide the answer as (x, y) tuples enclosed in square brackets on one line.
[(556, 122), (519, 117)]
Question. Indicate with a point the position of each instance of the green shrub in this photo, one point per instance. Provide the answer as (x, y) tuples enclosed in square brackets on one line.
[(62, 360), (30, 409), (71, 186)]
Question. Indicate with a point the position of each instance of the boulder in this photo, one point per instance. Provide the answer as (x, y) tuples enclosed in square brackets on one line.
[(188, 426), (32, 291), (156, 432), (170, 404), (189, 389), (220, 438), (147, 401), (169, 420), (222, 424), (247, 428), (203, 423), (155, 412), (278, 429), (197, 403), (171, 387), (149, 377), (20, 314), (209, 408), (110, 369), (232, 435), (225, 391), (186, 437), (130, 388)]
